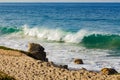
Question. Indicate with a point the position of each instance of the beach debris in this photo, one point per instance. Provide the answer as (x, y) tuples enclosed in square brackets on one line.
[(78, 61), (37, 51), (108, 71)]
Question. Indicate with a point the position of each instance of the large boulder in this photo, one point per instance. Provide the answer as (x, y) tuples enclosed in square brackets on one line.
[(37, 51), (78, 61), (108, 71)]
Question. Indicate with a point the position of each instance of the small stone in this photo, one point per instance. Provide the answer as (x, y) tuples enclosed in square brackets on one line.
[(78, 61), (108, 71), (64, 66)]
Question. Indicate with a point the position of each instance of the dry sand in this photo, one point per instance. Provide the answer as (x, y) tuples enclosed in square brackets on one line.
[(23, 67)]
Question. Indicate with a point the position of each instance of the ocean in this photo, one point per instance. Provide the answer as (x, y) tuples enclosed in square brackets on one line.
[(89, 31)]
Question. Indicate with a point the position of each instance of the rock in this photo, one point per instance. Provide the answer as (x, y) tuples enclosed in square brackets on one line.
[(108, 71), (33, 47), (37, 51), (63, 66), (59, 66), (78, 61)]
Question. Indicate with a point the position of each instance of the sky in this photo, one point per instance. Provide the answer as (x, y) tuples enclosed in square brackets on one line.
[(59, 0)]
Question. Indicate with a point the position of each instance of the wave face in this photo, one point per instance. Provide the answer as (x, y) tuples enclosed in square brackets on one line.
[(102, 41), (8, 30)]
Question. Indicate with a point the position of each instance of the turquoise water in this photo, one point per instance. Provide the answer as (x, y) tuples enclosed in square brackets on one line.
[(90, 31)]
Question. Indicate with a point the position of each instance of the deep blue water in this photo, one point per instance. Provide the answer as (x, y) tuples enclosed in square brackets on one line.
[(68, 16), (94, 18)]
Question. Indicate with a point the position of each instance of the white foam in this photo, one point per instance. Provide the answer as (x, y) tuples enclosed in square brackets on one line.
[(75, 38), (54, 34)]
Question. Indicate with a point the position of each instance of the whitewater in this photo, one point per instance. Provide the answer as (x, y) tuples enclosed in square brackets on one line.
[(89, 31)]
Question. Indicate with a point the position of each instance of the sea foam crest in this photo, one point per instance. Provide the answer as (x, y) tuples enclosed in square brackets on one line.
[(75, 37), (54, 34)]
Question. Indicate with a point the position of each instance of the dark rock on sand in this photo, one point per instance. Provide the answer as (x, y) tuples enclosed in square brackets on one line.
[(63, 66), (108, 71), (32, 47), (37, 51), (78, 61)]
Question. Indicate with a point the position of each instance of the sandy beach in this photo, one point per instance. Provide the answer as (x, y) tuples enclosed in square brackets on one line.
[(23, 67)]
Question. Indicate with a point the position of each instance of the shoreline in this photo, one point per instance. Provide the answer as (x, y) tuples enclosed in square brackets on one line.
[(22, 67)]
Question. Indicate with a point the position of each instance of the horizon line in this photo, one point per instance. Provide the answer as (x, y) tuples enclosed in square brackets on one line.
[(62, 2)]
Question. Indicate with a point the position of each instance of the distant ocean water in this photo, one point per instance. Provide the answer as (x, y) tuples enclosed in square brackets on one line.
[(90, 31)]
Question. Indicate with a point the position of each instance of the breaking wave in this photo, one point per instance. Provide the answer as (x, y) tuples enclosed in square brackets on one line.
[(82, 37)]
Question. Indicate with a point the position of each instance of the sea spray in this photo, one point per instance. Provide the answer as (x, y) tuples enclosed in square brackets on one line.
[(44, 33), (75, 37), (55, 34)]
